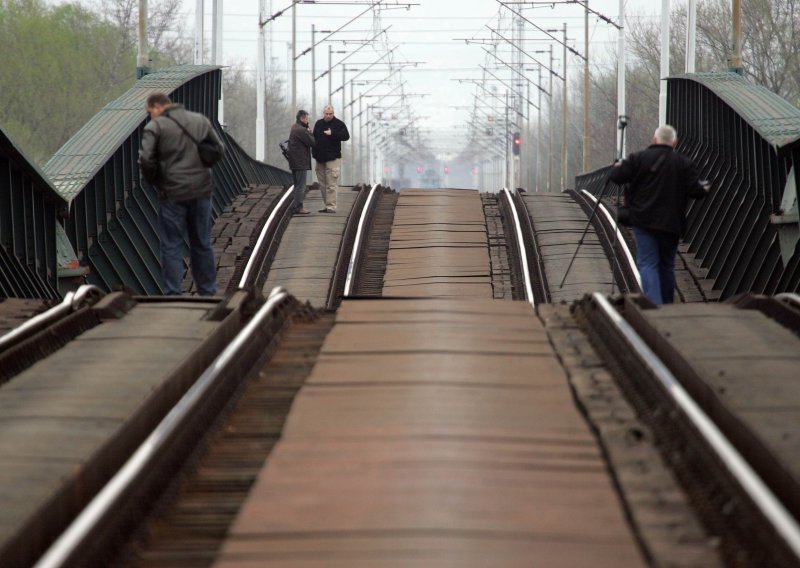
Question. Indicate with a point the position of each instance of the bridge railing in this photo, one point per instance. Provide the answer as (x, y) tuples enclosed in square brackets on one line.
[(746, 141), (113, 212), (29, 207)]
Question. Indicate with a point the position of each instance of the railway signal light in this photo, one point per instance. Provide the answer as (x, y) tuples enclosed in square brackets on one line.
[(447, 169), (517, 143), (419, 169)]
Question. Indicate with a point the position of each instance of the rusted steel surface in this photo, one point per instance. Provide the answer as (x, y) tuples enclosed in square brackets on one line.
[(361, 213), (742, 368), (189, 524), (420, 438), (736, 366), (612, 241), (502, 287), (438, 245), (559, 223), (308, 250), (14, 312), (69, 421), (235, 232), (368, 279), (666, 524)]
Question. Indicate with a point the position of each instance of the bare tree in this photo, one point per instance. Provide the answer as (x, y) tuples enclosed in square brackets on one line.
[(166, 31)]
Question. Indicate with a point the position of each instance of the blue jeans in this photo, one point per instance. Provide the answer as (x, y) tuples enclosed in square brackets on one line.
[(299, 189), (176, 221), (655, 259)]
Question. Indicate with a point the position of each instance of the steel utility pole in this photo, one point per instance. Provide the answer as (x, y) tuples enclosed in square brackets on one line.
[(330, 75), (586, 126), (691, 34), (539, 176), (216, 51), (736, 57), (142, 57), (260, 79), (507, 138), (564, 127), (313, 74), (293, 108), (621, 110), (550, 129), (662, 97), (198, 32)]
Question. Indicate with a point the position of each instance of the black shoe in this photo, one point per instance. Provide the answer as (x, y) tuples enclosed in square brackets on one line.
[(327, 210)]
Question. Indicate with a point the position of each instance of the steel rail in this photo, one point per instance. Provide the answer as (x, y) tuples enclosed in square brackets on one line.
[(261, 237), (522, 250), (782, 521), (68, 546), (348, 282), (72, 302), (620, 239)]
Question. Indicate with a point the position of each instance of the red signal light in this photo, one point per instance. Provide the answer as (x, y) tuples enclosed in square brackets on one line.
[(419, 169)]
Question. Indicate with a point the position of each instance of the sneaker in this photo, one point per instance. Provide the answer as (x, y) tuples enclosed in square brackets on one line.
[(327, 210), (301, 211)]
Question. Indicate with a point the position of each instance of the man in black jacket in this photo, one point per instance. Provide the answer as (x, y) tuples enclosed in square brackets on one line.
[(329, 133), (300, 143), (661, 181), (169, 159)]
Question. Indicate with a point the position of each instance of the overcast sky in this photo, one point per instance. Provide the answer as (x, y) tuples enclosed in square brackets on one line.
[(430, 32)]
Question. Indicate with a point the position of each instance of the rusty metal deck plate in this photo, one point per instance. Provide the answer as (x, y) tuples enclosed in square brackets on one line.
[(749, 367), (307, 254), (559, 223), (438, 245), (57, 414), (434, 432)]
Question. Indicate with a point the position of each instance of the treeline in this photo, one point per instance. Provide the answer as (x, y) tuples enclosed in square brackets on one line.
[(63, 63), (770, 58)]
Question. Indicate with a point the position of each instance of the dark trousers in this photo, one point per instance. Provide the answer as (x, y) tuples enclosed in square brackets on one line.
[(655, 259), (299, 189), (176, 221)]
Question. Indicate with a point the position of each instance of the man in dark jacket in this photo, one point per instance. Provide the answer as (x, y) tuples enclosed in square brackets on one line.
[(169, 159), (329, 133), (661, 181), (300, 143)]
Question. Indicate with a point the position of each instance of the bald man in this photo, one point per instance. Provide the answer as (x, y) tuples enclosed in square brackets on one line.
[(329, 133), (661, 182)]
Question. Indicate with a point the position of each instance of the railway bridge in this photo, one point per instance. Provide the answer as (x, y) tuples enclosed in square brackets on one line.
[(429, 377)]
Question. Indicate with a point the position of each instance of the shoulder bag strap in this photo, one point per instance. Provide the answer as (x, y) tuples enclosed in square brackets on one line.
[(182, 127)]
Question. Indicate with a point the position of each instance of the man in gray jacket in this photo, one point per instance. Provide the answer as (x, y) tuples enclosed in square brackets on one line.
[(169, 159), (300, 144)]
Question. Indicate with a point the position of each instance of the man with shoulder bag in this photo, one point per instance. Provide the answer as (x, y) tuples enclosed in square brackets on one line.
[(660, 183), (178, 148), (298, 153)]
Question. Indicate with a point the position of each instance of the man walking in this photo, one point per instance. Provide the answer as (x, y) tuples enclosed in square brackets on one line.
[(170, 160), (300, 143), (661, 181), (329, 133)]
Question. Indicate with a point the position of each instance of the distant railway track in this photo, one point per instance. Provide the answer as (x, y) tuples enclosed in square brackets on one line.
[(526, 261), (613, 241)]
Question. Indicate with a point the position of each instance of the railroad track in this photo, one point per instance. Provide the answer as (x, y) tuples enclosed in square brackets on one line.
[(724, 449), (205, 442), (113, 491)]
